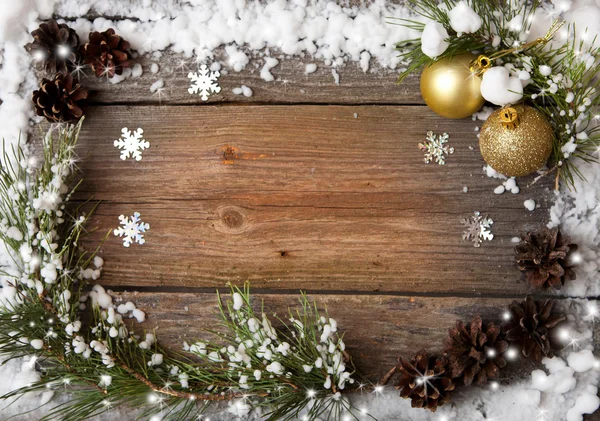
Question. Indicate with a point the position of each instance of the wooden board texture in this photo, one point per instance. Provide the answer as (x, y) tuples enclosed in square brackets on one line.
[(305, 185), (377, 331), (300, 197)]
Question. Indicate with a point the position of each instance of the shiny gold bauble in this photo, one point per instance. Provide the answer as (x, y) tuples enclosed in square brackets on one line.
[(450, 88), (516, 145)]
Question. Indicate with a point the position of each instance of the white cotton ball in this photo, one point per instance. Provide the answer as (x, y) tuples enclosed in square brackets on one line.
[(98, 262), (310, 68), (238, 301), (433, 39), (463, 18), (137, 70), (586, 403), (139, 315), (14, 233), (265, 72), (246, 91), (37, 343), (156, 359), (529, 205), (581, 361), (500, 88)]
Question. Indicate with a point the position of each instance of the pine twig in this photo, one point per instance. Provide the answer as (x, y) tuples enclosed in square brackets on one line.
[(388, 376)]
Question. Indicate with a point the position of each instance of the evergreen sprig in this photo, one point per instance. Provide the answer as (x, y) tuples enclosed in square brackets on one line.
[(572, 65), (297, 368)]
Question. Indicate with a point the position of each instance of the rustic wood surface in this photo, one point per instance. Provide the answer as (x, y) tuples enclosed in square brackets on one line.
[(305, 185), (291, 85), (331, 198), (377, 331)]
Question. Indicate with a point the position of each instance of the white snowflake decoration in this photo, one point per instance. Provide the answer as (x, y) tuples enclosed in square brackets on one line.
[(132, 229), (478, 229), (132, 144), (436, 148), (204, 82)]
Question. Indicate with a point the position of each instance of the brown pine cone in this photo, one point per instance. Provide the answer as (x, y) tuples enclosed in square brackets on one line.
[(59, 100), (424, 381), (474, 352), (54, 45), (531, 326), (542, 258), (106, 53)]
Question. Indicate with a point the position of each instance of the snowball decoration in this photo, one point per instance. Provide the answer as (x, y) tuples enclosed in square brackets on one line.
[(581, 361), (433, 39), (463, 19), (500, 88)]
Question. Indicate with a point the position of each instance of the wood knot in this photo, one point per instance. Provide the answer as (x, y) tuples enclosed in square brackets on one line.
[(284, 253), (230, 153), (231, 220)]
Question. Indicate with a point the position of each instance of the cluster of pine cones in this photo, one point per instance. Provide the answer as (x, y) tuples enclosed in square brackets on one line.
[(57, 48), (476, 352)]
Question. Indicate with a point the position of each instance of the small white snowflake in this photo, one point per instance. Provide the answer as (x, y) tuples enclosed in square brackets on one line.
[(132, 229), (204, 82), (478, 229), (132, 144), (436, 148)]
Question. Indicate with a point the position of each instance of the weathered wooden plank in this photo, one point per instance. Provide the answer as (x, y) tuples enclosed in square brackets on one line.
[(299, 197), (377, 329), (291, 85)]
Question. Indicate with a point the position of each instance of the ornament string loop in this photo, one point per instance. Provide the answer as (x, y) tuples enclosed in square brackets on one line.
[(483, 62), (509, 117)]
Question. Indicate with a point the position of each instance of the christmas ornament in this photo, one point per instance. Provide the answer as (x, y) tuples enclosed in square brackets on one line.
[(59, 99), (516, 141), (54, 45), (424, 381), (106, 53), (474, 352), (530, 326), (542, 258), (451, 88)]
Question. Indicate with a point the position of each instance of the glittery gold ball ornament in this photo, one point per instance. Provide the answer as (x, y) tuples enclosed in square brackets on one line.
[(516, 141), (451, 88)]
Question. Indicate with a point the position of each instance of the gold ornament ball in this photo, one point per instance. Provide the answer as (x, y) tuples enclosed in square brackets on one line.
[(450, 88), (516, 149)]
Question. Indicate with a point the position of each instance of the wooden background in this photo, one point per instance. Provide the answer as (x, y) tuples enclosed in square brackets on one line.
[(306, 185)]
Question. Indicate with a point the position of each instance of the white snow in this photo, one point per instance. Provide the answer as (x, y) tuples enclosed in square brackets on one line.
[(433, 39), (310, 68), (137, 70), (529, 205), (160, 83), (499, 87), (265, 72), (463, 19), (327, 32), (336, 76)]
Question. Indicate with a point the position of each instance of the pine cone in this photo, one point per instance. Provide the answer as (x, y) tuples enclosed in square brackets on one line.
[(106, 53), (55, 45), (531, 326), (474, 352), (59, 100), (542, 258), (424, 381)]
